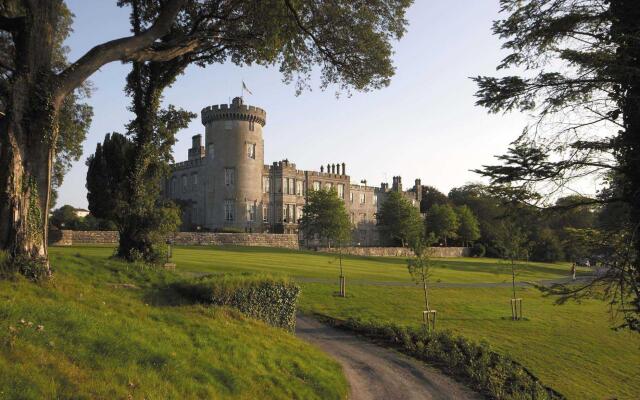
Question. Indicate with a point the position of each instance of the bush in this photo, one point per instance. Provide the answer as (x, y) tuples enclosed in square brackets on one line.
[(272, 300), (490, 373), (478, 250)]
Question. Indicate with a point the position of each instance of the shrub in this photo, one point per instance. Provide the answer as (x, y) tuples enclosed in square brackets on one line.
[(490, 373), (478, 250), (272, 300)]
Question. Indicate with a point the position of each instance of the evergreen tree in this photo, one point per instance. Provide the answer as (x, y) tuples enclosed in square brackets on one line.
[(583, 82)]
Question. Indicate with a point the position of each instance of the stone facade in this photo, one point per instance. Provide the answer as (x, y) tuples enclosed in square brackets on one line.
[(399, 251), (70, 238), (225, 183)]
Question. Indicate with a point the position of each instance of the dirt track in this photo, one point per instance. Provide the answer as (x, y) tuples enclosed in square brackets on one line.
[(378, 373)]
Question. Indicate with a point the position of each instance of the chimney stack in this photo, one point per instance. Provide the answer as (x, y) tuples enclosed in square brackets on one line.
[(344, 169), (197, 150)]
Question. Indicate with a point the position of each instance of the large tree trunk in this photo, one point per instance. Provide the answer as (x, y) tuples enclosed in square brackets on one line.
[(28, 131)]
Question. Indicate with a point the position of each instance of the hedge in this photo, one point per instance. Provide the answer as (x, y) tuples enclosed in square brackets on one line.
[(492, 374), (269, 299)]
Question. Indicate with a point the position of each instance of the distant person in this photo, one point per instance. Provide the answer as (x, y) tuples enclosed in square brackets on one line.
[(573, 271)]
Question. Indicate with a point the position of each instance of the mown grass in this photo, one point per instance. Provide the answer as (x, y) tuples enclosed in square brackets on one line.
[(569, 347), (572, 347), (311, 264), (103, 331)]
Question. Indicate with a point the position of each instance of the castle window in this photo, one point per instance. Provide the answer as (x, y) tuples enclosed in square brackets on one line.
[(363, 198), (351, 197), (341, 191), (229, 176), (328, 186), (299, 187), (229, 210), (251, 211), (299, 212), (211, 151), (316, 186), (251, 125), (184, 183), (251, 150), (265, 214), (266, 184), (194, 178), (291, 187)]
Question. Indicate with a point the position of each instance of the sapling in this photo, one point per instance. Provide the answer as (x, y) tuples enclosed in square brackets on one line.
[(420, 268)]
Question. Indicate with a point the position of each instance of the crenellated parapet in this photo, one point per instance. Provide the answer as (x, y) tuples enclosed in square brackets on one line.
[(237, 110)]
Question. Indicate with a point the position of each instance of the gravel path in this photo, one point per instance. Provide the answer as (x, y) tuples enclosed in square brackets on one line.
[(375, 372)]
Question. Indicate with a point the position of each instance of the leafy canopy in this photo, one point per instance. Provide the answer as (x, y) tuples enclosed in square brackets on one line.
[(325, 215), (399, 219)]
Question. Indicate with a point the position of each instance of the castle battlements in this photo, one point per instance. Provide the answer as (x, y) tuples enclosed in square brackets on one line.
[(188, 164), (237, 110)]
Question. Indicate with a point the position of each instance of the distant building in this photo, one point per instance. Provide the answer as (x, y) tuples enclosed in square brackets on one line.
[(225, 183), (81, 212)]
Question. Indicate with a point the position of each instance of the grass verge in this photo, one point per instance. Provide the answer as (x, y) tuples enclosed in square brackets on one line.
[(97, 332)]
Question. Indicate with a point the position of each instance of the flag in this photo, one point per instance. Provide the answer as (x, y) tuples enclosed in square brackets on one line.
[(245, 88)]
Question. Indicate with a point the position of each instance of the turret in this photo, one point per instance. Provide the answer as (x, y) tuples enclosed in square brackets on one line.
[(234, 131)]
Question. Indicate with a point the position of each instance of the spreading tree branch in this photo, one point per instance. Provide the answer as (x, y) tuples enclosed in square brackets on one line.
[(114, 50)]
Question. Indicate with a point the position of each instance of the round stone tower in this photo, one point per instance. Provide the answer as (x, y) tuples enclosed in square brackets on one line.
[(235, 158)]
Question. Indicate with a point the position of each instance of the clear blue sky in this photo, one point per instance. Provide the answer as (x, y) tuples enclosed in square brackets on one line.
[(424, 125)]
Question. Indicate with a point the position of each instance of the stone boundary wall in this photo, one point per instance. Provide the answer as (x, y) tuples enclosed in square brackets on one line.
[(288, 241), (399, 251)]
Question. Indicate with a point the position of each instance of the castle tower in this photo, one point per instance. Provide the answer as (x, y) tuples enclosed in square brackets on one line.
[(235, 159)]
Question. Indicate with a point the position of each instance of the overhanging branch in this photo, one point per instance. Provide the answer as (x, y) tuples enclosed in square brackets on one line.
[(118, 49)]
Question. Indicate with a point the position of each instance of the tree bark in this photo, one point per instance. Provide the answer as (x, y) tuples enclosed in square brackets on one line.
[(29, 130), (28, 133)]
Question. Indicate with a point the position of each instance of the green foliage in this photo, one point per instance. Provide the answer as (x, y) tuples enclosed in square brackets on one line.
[(478, 250), (577, 61), (432, 196), (263, 297), (547, 247), (325, 216), (469, 229), (399, 219), (420, 266), (141, 216), (442, 221), (484, 370)]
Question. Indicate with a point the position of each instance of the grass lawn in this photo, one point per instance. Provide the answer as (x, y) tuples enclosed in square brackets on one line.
[(570, 347), (88, 336), (310, 264)]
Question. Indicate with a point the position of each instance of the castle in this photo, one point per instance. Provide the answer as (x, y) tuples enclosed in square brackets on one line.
[(225, 183)]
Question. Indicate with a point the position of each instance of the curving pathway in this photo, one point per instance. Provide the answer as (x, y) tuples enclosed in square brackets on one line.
[(375, 372)]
